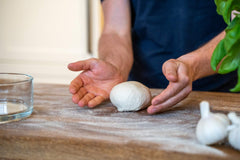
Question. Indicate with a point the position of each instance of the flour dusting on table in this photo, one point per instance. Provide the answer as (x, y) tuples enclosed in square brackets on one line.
[(171, 131)]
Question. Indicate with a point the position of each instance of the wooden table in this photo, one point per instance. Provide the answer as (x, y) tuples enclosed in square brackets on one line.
[(60, 130)]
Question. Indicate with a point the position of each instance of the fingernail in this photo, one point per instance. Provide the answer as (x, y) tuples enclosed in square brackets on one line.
[(155, 102), (75, 99), (72, 90), (70, 65), (152, 110), (81, 104)]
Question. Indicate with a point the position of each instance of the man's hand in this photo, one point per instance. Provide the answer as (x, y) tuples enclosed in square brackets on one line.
[(180, 79), (182, 72), (93, 85)]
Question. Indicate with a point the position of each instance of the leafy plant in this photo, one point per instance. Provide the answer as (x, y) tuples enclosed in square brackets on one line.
[(226, 56)]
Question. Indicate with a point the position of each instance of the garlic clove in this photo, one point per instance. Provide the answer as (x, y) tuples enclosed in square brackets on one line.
[(204, 109), (212, 127), (234, 131), (234, 118), (234, 138), (223, 118)]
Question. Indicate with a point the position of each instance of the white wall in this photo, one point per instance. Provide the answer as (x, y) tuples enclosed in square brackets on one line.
[(40, 37)]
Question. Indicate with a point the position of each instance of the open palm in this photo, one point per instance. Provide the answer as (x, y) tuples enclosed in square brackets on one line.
[(93, 85)]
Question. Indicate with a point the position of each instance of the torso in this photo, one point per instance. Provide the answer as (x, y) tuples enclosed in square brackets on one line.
[(167, 29)]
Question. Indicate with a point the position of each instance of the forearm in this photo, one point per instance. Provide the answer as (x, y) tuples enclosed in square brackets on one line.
[(115, 44), (117, 51), (200, 60)]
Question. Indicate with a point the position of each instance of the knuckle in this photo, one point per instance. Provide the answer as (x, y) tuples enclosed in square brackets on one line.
[(185, 80), (94, 60), (169, 61)]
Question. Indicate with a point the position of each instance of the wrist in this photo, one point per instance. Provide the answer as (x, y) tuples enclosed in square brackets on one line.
[(198, 63), (121, 71), (191, 63), (117, 51)]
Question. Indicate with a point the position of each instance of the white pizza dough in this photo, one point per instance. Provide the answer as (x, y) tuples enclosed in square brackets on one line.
[(130, 96)]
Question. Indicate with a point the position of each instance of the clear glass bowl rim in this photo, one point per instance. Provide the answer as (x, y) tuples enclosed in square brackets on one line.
[(29, 78)]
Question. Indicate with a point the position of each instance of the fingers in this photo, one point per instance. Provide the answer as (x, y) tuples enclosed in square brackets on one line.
[(83, 98), (86, 98), (177, 90), (95, 101), (170, 69), (85, 86), (174, 88), (75, 85), (170, 102), (79, 95), (82, 65), (169, 92)]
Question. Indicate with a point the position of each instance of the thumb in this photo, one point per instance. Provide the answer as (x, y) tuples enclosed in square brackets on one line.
[(82, 65), (170, 70)]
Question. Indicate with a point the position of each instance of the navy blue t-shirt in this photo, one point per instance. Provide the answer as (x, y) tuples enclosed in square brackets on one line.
[(165, 29)]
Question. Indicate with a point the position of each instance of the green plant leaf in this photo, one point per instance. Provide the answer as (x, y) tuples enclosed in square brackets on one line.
[(237, 87), (227, 52), (225, 8), (229, 64), (218, 54), (232, 48), (232, 34)]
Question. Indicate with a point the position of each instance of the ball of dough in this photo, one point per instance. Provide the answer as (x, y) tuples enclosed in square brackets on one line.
[(130, 96)]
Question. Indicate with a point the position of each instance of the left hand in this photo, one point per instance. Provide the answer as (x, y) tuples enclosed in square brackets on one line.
[(180, 77), (92, 86)]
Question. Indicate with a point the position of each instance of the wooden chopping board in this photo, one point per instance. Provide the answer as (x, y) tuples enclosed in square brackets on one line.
[(59, 129)]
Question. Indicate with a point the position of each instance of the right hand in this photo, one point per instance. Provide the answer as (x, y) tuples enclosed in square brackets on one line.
[(92, 86), (180, 77)]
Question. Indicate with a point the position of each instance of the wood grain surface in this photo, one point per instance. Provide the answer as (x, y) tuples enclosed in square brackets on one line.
[(60, 130)]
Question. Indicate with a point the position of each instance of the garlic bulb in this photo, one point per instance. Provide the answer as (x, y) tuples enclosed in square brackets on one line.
[(234, 131), (212, 127)]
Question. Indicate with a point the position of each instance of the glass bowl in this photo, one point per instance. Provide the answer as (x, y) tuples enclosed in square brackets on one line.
[(16, 96)]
